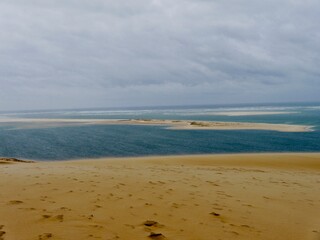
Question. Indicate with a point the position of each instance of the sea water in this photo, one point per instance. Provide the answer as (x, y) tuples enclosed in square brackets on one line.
[(93, 141)]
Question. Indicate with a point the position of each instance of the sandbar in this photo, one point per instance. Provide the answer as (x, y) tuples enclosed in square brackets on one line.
[(170, 124)]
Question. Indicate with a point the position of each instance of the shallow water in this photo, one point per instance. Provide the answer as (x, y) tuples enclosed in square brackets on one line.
[(123, 140)]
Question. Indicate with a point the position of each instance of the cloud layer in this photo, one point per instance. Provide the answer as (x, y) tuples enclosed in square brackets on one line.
[(101, 53)]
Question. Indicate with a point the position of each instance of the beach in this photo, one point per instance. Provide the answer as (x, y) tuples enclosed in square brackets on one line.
[(241, 196)]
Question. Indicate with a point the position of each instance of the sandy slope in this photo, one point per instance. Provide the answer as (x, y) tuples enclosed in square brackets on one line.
[(261, 196)]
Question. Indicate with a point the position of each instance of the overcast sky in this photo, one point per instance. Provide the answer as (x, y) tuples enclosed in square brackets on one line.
[(103, 53)]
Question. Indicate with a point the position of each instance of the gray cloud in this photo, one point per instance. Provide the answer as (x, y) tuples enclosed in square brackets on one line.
[(101, 53)]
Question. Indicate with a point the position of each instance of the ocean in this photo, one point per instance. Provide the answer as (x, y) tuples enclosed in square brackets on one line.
[(94, 141)]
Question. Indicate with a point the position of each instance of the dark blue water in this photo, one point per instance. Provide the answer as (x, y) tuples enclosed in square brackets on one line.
[(121, 140)]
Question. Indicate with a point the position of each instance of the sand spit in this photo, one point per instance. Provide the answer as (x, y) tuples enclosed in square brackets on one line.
[(246, 196), (171, 124)]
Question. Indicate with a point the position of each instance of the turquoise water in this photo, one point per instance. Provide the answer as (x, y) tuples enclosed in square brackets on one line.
[(91, 141)]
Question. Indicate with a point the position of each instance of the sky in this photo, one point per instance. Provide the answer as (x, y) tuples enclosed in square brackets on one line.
[(58, 54)]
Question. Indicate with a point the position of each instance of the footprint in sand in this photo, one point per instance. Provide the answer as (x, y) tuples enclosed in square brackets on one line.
[(157, 236), (234, 232), (176, 205), (45, 236), (150, 223), (97, 226), (57, 218), (65, 208), (245, 226), (15, 202), (215, 214), (2, 233)]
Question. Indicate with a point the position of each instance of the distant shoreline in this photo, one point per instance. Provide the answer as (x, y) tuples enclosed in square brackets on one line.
[(172, 124)]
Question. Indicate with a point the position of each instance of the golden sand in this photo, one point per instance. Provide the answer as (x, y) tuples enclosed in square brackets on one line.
[(256, 196)]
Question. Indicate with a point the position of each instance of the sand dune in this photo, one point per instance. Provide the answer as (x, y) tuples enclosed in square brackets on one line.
[(258, 196)]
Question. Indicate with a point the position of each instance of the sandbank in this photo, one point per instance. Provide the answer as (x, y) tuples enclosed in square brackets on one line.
[(242, 196), (170, 124)]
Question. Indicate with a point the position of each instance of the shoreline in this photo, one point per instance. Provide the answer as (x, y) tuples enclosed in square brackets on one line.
[(170, 124), (152, 157)]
